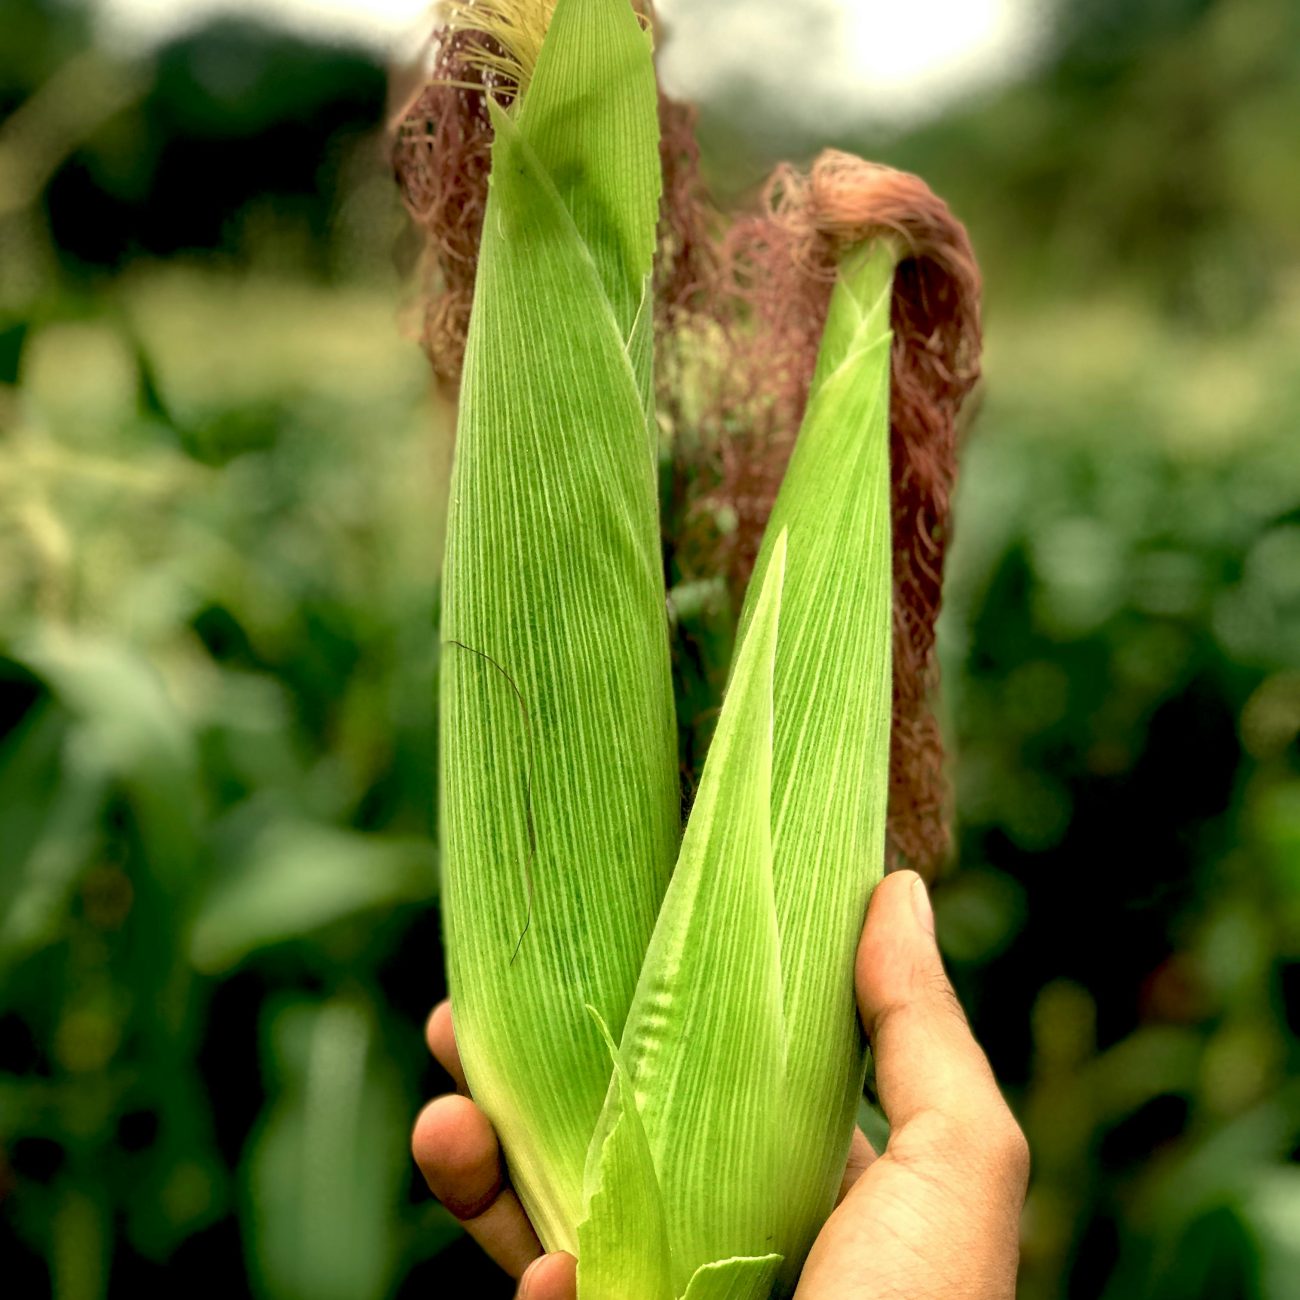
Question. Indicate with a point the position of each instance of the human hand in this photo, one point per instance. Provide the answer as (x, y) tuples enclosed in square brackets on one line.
[(934, 1217)]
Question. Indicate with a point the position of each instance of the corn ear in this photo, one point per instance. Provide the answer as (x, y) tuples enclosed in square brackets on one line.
[(830, 760), (559, 792)]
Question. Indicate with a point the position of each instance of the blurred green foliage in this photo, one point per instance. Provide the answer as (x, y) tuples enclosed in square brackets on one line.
[(217, 772), (221, 488), (1121, 642)]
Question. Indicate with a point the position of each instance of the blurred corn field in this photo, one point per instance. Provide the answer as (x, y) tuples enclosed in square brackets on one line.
[(222, 478)]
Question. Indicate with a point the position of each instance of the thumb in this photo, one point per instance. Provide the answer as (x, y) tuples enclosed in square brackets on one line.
[(927, 1060), (936, 1216), (550, 1277)]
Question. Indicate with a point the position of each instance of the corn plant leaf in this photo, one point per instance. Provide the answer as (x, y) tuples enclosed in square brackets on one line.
[(325, 1172), (560, 803), (704, 1039), (831, 743), (297, 879), (623, 1240), (741, 1278)]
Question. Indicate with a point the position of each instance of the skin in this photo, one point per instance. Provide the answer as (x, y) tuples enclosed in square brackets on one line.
[(932, 1217)]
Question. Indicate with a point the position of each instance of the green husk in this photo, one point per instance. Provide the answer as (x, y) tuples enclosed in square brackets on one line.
[(625, 1214), (705, 1040), (830, 763), (559, 787), (670, 1054)]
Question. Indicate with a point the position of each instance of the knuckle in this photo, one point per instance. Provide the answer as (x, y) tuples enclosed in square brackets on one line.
[(988, 1141), (945, 995), (1010, 1149)]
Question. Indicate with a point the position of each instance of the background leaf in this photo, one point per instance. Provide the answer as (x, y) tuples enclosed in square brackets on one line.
[(296, 881), (324, 1166)]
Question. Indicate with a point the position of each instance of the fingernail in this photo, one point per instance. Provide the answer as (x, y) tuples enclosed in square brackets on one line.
[(922, 907)]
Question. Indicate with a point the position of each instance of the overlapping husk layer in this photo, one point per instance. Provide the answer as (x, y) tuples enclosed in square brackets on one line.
[(740, 306)]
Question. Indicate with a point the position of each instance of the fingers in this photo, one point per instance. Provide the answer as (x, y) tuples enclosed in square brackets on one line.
[(931, 1075), (553, 1277), (937, 1215), (460, 1158), (458, 1154), (441, 1037), (861, 1156)]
